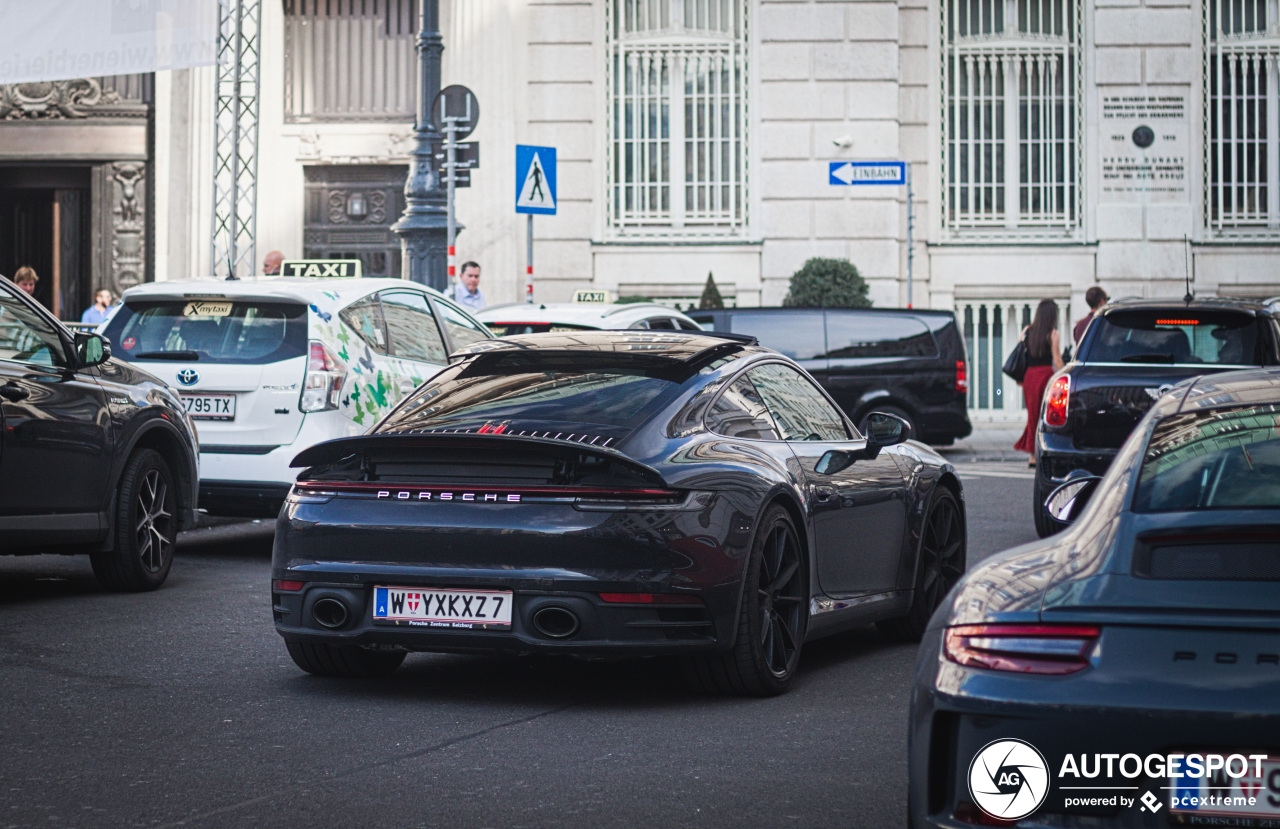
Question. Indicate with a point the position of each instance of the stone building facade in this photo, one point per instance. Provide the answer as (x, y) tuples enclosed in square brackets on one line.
[(1053, 145)]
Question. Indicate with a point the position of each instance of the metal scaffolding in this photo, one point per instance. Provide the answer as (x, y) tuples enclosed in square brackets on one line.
[(235, 164)]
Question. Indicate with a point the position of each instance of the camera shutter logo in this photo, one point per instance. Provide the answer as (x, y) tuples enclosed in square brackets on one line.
[(188, 377), (1008, 779)]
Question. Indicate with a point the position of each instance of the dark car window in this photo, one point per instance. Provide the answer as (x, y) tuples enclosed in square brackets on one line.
[(1175, 337), (1219, 459), (740, 413), (412, 326), (799, 336), (461, 329), (365, 318), (606, 397), (685, 325), (798, 408), (852, 336), (25, 337), (247, 332)]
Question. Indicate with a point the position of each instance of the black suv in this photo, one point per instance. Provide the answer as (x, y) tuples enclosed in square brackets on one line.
[(96, 456), (896, 360), (1134, 351)]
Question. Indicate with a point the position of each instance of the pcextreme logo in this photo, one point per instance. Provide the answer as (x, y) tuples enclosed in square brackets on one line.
[(1008, 779)]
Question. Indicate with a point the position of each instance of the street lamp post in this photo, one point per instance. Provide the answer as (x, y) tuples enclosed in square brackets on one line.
[(422, 228)]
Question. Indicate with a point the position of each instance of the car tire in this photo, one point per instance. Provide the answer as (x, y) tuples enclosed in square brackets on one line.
[(772, 618), (145, 527), (939, 566), (1045, 526), (345, 661), (914, 434)]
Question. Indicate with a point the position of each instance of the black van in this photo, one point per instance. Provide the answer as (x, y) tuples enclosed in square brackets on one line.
[(896, 360)]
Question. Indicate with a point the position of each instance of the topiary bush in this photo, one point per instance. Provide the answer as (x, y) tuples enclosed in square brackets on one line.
[(827, 283)]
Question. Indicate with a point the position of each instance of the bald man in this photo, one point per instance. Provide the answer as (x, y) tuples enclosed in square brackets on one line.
[(271, 263)]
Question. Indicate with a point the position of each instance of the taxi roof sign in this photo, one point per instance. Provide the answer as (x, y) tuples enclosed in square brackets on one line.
[(592, 296), (331, 268)]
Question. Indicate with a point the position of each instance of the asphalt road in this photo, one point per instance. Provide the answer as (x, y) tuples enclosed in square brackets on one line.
[(181, 708)]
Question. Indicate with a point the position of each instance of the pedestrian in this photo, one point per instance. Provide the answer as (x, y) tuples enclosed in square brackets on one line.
[(467, 290), (271, 263), (1095, 297), (26, 278), (101, 309), (1044, 357)]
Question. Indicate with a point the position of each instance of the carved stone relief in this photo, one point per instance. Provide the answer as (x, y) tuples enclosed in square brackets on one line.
[(120, 205), (53, 99)]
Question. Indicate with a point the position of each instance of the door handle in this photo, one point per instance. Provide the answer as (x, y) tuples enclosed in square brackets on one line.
[(13, 392), (824, 493)]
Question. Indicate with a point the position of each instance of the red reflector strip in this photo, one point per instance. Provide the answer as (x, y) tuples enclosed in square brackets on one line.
[(598, 493), (649, 598), (288, 586), (1177, 322)]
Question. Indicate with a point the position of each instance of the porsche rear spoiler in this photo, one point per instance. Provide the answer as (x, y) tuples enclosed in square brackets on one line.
[(334, 450)]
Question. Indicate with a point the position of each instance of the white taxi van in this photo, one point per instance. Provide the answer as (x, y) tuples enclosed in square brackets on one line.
[(267, 367)]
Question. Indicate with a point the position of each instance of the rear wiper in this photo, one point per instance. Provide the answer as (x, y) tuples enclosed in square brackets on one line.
[(1147, 358), (167, 355)]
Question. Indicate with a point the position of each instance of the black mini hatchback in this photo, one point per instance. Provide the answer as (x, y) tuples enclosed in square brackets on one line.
[(96, 456), (1133, 352)]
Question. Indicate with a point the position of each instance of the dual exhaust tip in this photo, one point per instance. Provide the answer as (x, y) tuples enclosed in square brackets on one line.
[(552, 621)]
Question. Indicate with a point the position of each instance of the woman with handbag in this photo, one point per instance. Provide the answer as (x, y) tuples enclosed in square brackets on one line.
[(1044, 357)]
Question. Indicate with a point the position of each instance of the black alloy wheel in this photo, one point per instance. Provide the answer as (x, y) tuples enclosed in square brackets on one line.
[(146, 527), (771, 622), (346, 660), (940, 566)]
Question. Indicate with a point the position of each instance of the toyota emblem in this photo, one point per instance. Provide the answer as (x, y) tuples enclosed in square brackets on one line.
[(188, 377)]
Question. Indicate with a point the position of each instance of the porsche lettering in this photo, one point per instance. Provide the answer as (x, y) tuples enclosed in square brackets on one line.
[(409, 495)]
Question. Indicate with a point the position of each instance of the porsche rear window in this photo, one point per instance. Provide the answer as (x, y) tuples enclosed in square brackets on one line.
[(1218, 459), (222, 331), (1176, 337), (619, 398)]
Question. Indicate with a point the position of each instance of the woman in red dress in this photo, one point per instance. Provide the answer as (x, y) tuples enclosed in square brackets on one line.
[(1044, 357)]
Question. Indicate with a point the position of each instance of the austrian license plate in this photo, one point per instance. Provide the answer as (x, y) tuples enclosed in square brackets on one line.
[(210, 406), (1252, 799), (450, 609)]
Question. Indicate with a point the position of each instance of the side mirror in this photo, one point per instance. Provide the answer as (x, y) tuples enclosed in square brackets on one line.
[(833, 461), (886, 429), (1066, 502), (91, 349)]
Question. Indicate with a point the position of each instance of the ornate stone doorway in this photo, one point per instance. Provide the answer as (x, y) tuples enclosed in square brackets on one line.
[(44, 223)]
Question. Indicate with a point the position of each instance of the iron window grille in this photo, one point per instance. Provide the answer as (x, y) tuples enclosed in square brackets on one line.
[(350, 60), (677, 121), (1012, 118), (1242, 119)]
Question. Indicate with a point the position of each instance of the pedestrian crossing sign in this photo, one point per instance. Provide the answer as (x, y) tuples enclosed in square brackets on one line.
[(535, 179)]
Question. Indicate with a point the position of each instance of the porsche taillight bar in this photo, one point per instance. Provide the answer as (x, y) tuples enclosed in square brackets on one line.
[(601, 493)]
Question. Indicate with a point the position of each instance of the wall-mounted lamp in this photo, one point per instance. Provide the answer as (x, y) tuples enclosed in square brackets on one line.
[(357, 208)]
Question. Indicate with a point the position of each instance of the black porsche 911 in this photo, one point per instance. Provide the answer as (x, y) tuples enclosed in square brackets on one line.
[(614, 494), (1125, 672)]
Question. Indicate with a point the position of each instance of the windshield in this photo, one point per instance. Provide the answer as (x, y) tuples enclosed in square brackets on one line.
[(1220, 459), (1181, 337), (219, 331)]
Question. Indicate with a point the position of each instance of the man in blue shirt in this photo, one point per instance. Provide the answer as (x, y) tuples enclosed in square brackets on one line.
[(101, 309), (467, 290)]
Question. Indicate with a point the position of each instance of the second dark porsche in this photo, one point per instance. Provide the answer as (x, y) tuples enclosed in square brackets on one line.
[(614, 493)]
